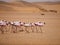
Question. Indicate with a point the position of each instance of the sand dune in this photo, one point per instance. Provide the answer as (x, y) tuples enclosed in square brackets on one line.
[(4, 8), (47, 3), (51, 30), (22, 6)]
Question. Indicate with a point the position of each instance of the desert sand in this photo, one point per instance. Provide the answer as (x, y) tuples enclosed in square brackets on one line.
[(51, 30)]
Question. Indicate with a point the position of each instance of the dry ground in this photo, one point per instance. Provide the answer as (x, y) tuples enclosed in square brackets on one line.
[(51, 30)]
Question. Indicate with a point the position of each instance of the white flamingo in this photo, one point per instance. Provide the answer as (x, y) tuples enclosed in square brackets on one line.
[(39, 24), (22, 25), (26, 25), (32, 26), (16, 24), (3, 25), (11, 25)]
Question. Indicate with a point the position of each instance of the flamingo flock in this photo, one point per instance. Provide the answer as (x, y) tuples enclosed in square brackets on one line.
[(21, 25)]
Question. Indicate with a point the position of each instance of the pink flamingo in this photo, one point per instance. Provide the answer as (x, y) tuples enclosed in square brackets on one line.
[(3, 25), (17, 24), (26, 25), (11, 25), (39, 24)]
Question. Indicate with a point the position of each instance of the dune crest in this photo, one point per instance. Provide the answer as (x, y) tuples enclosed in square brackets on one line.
[(22, 6)]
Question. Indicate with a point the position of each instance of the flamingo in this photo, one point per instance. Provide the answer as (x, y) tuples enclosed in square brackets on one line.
[(16, 24), (22, 25), (3, 25), (26, 25), (11, 25), (39, 24)]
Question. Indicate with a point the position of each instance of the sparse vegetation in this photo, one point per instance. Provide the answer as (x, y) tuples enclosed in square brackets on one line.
[(53, 11)]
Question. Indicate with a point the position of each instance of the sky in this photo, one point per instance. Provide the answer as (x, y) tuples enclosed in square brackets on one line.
[(33, 0)]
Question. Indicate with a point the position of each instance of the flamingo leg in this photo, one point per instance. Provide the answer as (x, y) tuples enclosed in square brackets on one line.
[(12, 28), (26, 29), (2, 30), (32, 29), (40, 29), (21, 28), (16, 29), (9, 29), (6, 28), (36, 29)]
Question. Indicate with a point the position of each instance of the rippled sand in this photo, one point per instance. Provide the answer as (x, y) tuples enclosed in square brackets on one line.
[(51, 30)]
